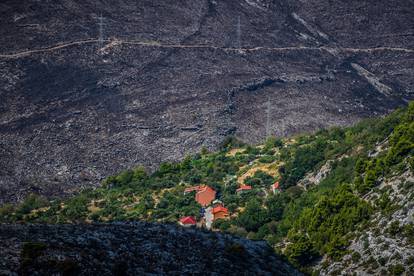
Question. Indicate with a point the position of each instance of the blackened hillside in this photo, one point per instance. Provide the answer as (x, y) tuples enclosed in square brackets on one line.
[(88, 88), (132, 249)]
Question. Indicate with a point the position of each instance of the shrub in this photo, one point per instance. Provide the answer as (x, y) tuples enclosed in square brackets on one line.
[(294, 192), (276, 205), (301, 251), (360, 166), (410, 260), (6, 212), (267, 159), (252, 150), (271, 143), (370, 179), (253, 216), (221, 224), (382, 261), (76, 208), (396, 270), (231, 142), (252, 181), (394, 228), (259, 178), (330, 219), (408, 231), (356, 257), (304, 159), (31, 202)]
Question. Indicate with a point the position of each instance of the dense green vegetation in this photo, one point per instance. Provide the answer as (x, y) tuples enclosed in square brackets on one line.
[(303, 225), (322, 229)]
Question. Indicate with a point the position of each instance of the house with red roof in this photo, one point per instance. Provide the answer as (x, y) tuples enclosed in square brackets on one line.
[(275, 187), (187, 221), (191, 189), (220, 212), (243, 188), (205, 196)]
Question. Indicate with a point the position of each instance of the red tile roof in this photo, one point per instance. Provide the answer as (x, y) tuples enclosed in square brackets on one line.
[(276, 185), (206, 188), (205, 196), (220, 209), (188, 220), (191, 189), (244, 188)]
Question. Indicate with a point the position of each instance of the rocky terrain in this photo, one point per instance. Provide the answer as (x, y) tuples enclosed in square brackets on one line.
[(131, 249), (88, 88), (382, 248), (385, 245)]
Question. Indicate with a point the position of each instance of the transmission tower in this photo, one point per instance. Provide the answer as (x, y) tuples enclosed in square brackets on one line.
[(101, 30), (238, 33), (268, 117)]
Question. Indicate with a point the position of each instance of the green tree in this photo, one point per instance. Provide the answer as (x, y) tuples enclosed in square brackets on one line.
[(76, 208), (275, 206), (253, 216), (301, 251)]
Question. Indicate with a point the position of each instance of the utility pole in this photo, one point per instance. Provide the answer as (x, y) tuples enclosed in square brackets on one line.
[(230, 101)]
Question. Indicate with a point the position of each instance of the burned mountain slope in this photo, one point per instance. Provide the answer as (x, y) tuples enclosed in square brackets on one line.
[(89, 88), (131, 249)]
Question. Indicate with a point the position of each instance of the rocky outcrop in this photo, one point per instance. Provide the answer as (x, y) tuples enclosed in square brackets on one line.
[(132, 249), (89, 88), (314, 178), (386, 245)]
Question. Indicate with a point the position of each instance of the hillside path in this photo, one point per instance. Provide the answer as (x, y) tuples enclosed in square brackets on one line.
[(195, 46)]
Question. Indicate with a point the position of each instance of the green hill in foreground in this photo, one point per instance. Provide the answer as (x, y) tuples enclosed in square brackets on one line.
[(345, 202)]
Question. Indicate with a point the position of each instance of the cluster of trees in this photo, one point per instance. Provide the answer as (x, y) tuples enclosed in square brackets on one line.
[(323, 228), (9, 212), (301, 159), (397, 157), (135, 194), (260, 179)]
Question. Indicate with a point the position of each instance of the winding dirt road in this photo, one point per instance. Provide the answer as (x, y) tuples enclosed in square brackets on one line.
[(181, 46)]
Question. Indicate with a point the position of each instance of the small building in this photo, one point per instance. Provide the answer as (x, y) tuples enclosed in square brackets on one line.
[(208, 217), (220, 212), (191, 189), (205, 196), (243, 188), (187, 221), (217, 202), (275, 187)]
